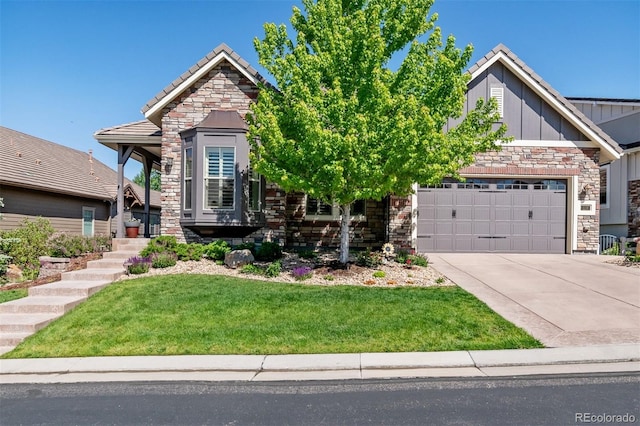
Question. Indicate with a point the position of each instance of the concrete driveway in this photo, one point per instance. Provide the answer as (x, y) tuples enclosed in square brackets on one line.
[(562, 300)]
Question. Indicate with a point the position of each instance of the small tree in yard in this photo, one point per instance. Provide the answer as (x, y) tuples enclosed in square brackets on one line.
[(342, 126)]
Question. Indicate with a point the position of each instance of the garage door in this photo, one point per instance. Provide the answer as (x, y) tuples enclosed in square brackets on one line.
[(493, 215)]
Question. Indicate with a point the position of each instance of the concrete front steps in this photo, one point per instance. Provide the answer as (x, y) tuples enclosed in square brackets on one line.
[(23, 317)]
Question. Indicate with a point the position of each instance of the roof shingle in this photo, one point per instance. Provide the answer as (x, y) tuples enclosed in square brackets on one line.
[(30, 162)]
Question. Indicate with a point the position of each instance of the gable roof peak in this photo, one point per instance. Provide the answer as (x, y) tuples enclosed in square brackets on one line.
[(152, 109), (611, 150)]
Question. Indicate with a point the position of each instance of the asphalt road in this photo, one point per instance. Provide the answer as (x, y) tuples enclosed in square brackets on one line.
[(551, 400)]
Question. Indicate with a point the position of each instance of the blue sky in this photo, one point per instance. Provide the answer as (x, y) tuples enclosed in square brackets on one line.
[(69, 68)]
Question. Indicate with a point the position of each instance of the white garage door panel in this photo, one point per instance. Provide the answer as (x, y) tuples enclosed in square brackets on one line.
[(501, 215)]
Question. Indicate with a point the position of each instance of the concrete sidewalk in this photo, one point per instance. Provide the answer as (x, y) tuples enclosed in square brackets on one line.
[(517, 362)]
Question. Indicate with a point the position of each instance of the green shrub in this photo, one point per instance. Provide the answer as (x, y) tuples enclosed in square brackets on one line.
[(161, 244), (269, 251), (163, 260), (273, 269), (379, 274), (369, 259), (67, 245), (34, 236), (247, 246), (417, 260), (251, 269), (191, 251), (402, 255), (216, 250), (307, 254)]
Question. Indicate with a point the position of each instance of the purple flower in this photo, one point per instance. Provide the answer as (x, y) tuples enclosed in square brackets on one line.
[(301, 272)]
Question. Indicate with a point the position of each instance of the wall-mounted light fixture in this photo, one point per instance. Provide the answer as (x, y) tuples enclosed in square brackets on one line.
[(169, 164), (585, 190)]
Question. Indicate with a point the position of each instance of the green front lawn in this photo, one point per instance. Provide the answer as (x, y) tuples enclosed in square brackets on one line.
[(204, 314)]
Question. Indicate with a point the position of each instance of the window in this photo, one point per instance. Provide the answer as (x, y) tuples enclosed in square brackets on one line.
[(511, 184), (604, 186), (551, 185), (88, 218), (319, 210), (255, 194), (188, 177), (219, 178), (474, 184)]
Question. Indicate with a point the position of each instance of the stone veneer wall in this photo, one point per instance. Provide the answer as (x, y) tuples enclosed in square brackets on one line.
[(400, 222), (223, 88), (556, 162), (634, 208), (369, 233)]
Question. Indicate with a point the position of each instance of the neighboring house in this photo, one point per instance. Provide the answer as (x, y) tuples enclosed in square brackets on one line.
[(70, 188), (619, 180), (539, 194)]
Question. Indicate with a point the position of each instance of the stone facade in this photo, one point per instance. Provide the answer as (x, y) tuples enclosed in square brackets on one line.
[(368, 232), (223, 88), (634, 208)]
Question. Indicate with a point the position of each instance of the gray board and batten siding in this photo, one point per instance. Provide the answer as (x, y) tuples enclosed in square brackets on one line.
[(527, 115)]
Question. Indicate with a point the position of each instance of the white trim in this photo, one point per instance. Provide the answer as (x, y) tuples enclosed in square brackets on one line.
[(572, 213), (543, 93), (550, 143), (414, 216), (195, 77), (603, 102), (587, 208), (93, 220)]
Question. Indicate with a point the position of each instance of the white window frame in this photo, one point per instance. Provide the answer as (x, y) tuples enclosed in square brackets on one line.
[(220, 177), (93, 220), (607, 170), (335, 213)]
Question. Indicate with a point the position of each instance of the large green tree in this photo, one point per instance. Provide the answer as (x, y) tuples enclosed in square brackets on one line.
[(341, 125), (155, 179)]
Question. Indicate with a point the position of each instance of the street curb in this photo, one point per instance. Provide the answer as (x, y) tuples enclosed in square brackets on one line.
[(588, 359)]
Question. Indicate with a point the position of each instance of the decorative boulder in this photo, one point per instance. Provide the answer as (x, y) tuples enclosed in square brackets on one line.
[(14, 273), (238, 258)]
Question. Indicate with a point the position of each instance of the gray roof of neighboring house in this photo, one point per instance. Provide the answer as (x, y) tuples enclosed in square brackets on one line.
[(501, 48), (222, 48), (30, 162)]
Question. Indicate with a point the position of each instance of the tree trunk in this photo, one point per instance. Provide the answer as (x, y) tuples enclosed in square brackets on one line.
[(345, 210)]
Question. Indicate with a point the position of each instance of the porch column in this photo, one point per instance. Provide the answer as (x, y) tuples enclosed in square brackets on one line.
[(147, 166), (124, 152)]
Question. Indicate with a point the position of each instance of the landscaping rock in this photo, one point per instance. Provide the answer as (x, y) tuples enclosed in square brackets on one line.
[(14, 273), (52, 265), (238, 258)]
